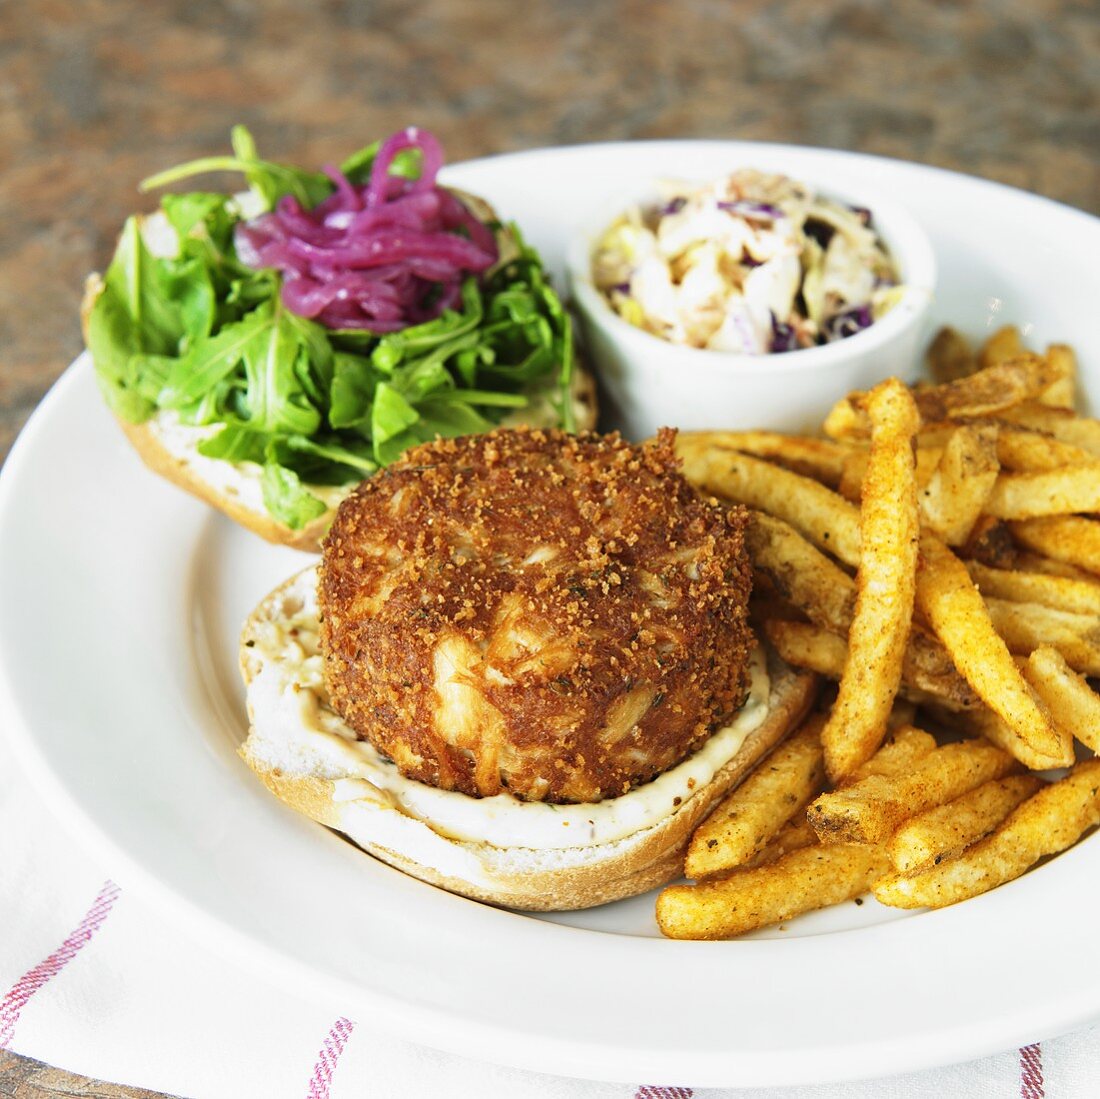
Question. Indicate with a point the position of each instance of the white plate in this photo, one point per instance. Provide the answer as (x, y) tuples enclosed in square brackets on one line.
[(120, 601)]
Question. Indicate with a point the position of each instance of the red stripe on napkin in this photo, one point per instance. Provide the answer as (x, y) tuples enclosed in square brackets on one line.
[(647, 1091), (331, 1048), (1031, 1072), (34, 979)]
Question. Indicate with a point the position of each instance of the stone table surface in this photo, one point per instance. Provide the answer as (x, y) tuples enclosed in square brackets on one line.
[(96, 95)]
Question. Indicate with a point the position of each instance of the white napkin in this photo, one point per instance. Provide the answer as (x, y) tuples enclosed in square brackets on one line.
[(92, 980)]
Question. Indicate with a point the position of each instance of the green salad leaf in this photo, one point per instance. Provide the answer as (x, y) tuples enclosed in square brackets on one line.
[(203, 336)]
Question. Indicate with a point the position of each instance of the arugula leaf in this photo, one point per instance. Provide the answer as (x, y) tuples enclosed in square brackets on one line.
[(357, 167), (235, 443), (144, 286), (142, 310), (268, 180), (391, 414), (285, 497), (209, 361), (353, 385), (112, 340), (273, 397), (188, 212)]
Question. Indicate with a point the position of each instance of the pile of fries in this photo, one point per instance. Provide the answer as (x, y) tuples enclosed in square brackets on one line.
[(937, 555)]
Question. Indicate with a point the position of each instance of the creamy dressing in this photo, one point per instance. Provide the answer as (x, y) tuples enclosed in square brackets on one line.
[(299, 731), (242, 481)]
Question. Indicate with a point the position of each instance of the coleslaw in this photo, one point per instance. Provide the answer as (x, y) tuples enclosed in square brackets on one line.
[(753, 263)]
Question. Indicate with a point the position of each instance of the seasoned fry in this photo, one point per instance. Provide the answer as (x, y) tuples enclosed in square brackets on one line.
[(889, 532), (994, 729), (950, 602), (802, 574), (1065, 491), (993, 390), (1068, 538), (1003, 345), (1026, 626), (793, 836), (950, 356), (926, 669), (1059, 592), (810, 878), (855, 469), (945, 830), (826, 519), (871, 810), (1060, 423), (820, 459), (1048, 822), (1074, 705), (1026, 561), (749, 817), (898, 755), (964, 478), (1026, 451), (1063, 392), (807, 646)]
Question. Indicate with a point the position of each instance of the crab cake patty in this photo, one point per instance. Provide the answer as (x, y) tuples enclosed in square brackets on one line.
[(556, 616)]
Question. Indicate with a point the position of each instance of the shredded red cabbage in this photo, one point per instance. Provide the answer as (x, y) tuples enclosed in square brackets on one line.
[(783, 336), (848, 323), (381, 256)]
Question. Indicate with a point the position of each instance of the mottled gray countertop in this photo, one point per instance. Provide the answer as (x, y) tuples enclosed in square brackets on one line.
[(96, 95)]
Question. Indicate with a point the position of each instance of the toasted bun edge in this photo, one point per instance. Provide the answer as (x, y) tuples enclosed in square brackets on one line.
[(520, 878)]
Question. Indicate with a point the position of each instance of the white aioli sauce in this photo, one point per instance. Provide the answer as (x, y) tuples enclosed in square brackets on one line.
[(298, 729)]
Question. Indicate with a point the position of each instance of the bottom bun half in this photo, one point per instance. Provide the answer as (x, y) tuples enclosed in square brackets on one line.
[(311, 773)]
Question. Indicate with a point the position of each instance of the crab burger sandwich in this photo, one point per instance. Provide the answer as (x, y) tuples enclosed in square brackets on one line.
[(523, 670)]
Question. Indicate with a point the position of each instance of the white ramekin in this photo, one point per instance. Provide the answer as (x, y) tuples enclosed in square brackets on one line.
[(649, 383)]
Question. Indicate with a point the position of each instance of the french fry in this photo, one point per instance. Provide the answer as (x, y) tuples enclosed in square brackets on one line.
[(889, 531), (1026, 561), (1073, 704), (945, 830), (749, 817), (993, 390), (830, 522), (793, 836), (1068, 538), (871, 810), (959, 489), (1026, 451), (1065, 491), (850, 485), (808, 646), (926, 671), (820, 459), (1047, 823), (1026, 626), (1063, 392), (801, 574), (801, 881), (1080, 431), (898, 755), (1003, 345), (949, 601), (1059, 592), (996, 731), (950, 356)]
